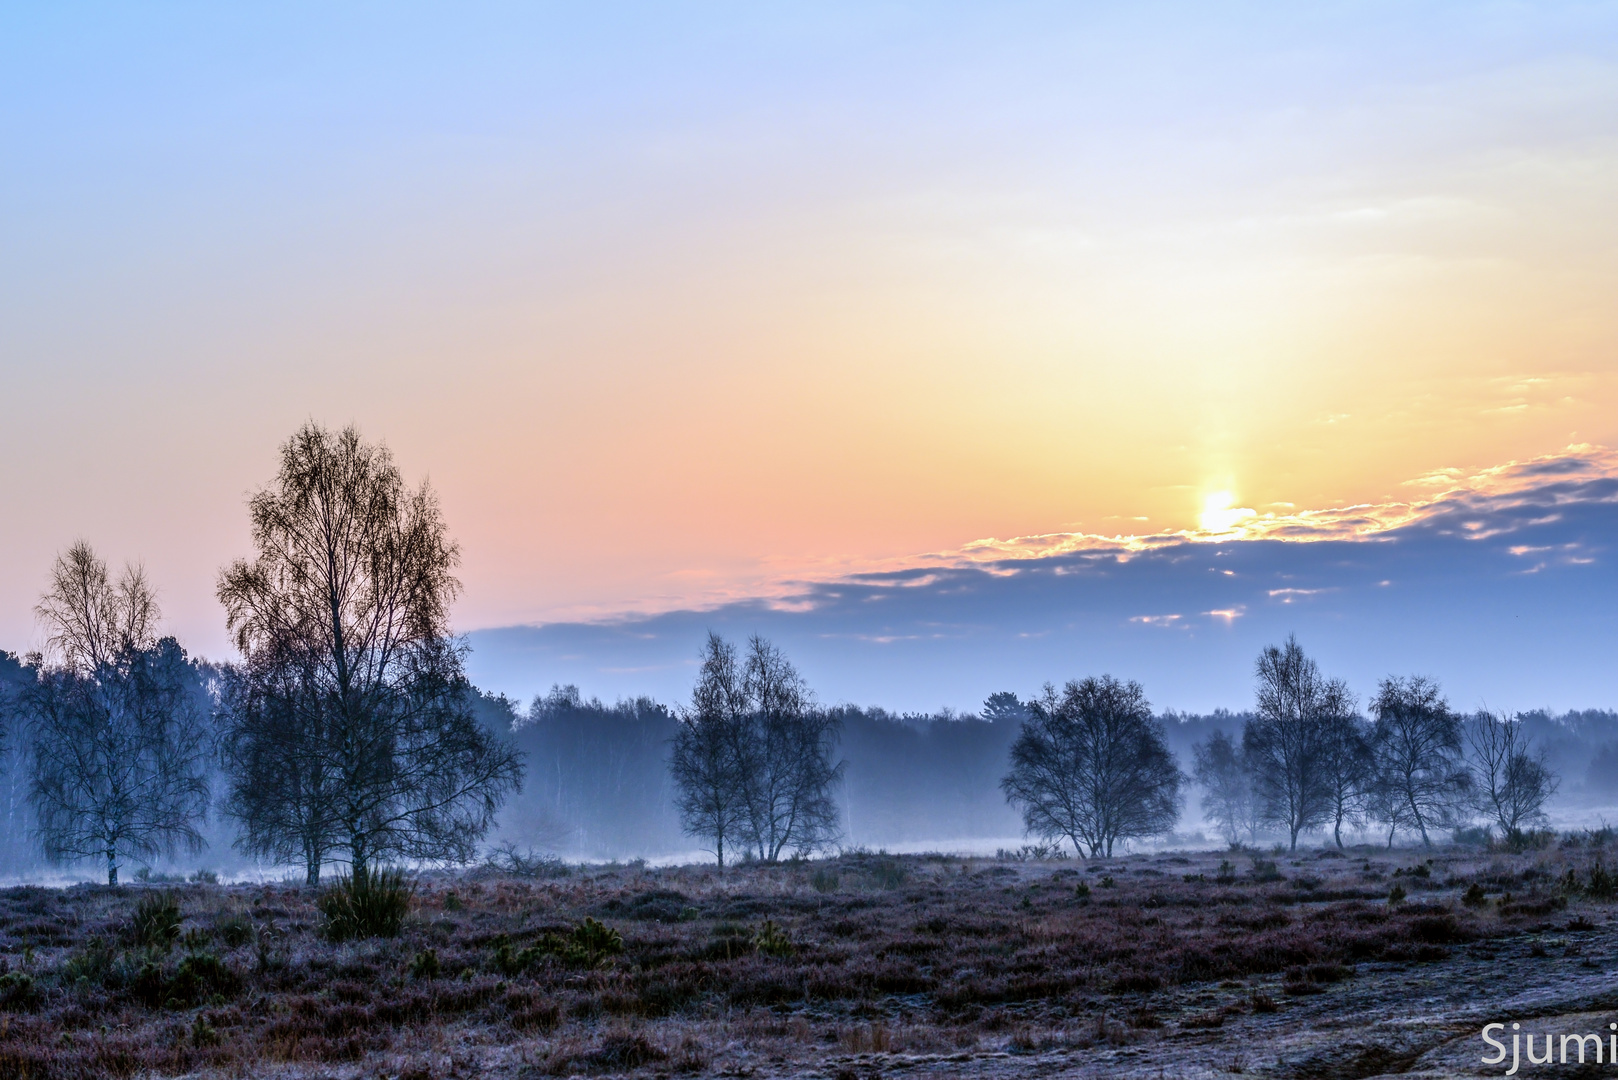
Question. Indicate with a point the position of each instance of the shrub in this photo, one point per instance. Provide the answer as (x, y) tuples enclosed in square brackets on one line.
[(825, 880), (1602, 884), (91, 964), (1082, 891), (199, 977), (1264, 870), (507, 860), (424, 965), (1474, 896), (156, 922), (1396, 894), (18, 991), (1226, 874), (368, 903), (771, 940), (204, 877), (592, 942)]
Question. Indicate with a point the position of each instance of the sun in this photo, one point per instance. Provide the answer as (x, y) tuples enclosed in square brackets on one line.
[(1220, 512)]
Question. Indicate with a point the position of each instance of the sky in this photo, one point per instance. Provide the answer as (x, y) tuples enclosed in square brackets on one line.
[(692, 311)]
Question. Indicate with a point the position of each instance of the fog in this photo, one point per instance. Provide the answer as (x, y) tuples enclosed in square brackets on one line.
[(598, 786)]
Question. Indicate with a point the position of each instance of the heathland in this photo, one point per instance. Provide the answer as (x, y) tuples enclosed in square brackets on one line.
[(1319, 963)]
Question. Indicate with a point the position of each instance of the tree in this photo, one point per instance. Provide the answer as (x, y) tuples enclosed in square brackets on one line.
[(1349, 769), (1286, 743), (118, 741), (351, 725), (753, 757), (705, 771), (1092, 766), (1004, 708), (1417, 749), (1227, 790), (1511, 780)]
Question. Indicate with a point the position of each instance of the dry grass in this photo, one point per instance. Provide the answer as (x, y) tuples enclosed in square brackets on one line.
[(691, 970)]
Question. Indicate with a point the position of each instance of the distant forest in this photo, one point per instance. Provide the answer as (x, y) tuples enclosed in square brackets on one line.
[(598, 783)]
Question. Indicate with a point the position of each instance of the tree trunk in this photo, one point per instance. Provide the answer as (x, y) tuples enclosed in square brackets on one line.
[(1337, 832), (112, 866)]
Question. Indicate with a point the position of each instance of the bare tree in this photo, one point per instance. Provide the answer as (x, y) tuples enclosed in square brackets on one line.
[(753, 757), (1511, 779), (705, 770), (1417, 748), (1286, 743), (1227, 789), (1092, 766), (352, 729), (787, 771), (118, 740), (1349, 767)]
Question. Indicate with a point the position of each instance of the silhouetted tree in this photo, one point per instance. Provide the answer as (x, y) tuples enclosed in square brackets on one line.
[(118, 743), (1004, 708), (753, 757), (1511, 781), (1092, 766), (1286, 743), (1227, 789), (1417, 746), (352, 726), (1350, 770), (705, 767)]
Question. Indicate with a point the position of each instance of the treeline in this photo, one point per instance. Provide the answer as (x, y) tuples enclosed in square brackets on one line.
[(349, 735)]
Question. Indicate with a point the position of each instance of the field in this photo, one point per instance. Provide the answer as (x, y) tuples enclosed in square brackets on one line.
[(1198, 964)]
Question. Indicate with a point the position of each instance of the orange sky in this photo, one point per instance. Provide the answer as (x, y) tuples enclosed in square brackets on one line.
[(674, 310)]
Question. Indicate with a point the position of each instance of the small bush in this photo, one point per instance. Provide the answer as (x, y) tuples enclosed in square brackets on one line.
[(200, 977), (424, 965), (507, 860), (1082, 891), (825, 880), (593, 942), (771, 940), (1474, 896), (1396, 894), (1264, 870), (156, 922), (368, 903), (1226, 874), (18, 991), (1519, 840), (204, 877), (1602, 884)]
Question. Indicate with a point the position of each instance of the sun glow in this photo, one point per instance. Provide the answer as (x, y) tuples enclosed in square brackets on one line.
[(1220, 512)]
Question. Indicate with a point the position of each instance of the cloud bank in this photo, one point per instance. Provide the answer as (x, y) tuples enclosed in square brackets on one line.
[(1500, 583)]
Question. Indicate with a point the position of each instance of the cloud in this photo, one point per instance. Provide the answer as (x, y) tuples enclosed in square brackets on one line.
[(1436, 583)]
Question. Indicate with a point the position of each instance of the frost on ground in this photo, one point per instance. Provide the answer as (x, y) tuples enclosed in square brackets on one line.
[(1194, 965)]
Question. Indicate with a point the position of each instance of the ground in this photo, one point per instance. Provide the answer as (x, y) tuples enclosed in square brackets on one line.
[(1186, 965)]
